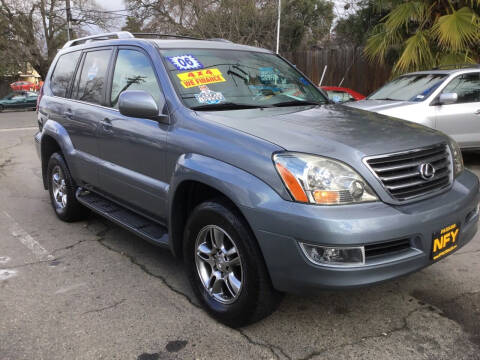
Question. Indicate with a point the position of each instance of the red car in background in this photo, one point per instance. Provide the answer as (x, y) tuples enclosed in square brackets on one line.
[(25, 86), (341, 94)]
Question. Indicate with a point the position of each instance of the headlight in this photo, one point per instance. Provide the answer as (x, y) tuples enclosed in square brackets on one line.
[(318, 180), (456, 157)]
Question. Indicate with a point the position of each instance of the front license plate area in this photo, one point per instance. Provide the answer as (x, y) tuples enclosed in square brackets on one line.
[(444, 241)]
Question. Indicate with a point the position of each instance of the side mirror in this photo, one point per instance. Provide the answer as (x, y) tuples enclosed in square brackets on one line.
[(447, 98), (140, 104)]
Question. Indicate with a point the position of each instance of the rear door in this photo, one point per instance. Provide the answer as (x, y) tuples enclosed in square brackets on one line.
[(461, 120), (133, 149), (84, 111)]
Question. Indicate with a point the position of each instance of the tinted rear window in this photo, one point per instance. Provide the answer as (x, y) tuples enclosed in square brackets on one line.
[(63, 73), (90, 86)]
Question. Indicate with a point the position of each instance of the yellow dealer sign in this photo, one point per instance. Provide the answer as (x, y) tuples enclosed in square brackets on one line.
[(200, 77)]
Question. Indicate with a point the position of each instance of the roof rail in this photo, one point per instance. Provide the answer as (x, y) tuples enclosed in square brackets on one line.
[(456, 66), (219, 39), (165, 35), (106, 36), (129, 35)]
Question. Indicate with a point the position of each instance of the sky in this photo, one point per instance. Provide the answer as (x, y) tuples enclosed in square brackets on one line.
[(112, 4)]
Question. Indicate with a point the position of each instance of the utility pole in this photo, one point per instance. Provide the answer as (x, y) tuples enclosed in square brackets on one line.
[(69, 18), (278, 24)]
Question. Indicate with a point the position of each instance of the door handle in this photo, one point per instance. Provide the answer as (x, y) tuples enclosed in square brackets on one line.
[(107, 125), (68, 113), (477, 112)]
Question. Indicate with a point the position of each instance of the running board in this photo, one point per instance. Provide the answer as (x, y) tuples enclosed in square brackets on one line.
[(139, 225)]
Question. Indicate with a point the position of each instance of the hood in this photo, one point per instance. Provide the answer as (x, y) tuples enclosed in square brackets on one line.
[(329, 130), (378, 105)]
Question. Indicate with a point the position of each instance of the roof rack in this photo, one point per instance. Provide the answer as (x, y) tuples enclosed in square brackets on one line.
[(219, 39), (129, 35), (106, 36), (456, 66), (164, 35)]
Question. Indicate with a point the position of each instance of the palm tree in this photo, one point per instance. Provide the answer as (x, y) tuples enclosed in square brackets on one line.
[(426, 34)]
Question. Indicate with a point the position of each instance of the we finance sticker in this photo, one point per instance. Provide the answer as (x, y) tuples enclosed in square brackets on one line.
[(200, 77)]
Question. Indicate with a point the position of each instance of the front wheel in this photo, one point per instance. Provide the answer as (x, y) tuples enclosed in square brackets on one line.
[(225, 266)]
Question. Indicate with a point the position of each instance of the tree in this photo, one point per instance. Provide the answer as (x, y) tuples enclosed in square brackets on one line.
[(248, 21), (305, 21), (427, 33), (354, 28), (33, 30)]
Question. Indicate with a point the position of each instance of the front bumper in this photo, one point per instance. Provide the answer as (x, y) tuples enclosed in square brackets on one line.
[(279, 225)]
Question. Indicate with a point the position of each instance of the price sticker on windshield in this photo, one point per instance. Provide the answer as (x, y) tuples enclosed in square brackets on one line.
[(185, 62), (200, 77)]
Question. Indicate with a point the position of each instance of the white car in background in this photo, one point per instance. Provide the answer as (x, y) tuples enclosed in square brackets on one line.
[(446, 100)]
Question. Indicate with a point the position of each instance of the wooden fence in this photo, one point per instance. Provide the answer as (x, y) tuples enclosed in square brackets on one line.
[(348, 62)]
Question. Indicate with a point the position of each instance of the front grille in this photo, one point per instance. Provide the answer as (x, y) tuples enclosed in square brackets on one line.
[(400, 172), (386, 248)]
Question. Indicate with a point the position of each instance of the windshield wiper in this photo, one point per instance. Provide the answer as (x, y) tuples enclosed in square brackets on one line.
[(227, 106), (296, 103), (387, 98)]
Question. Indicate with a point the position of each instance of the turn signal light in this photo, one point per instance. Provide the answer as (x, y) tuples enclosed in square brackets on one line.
[(325, 197), (292, 183)]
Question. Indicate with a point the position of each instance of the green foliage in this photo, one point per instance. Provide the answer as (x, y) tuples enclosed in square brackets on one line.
[(426, 34), (304, 20), (354, 28)]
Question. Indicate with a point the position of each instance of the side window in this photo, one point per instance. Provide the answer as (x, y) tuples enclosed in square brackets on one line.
[(133, 71), (63, 73), (90, 83), (466, 86)]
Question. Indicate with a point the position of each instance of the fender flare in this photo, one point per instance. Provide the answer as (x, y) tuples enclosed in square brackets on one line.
[(242, 188), (56, 131)]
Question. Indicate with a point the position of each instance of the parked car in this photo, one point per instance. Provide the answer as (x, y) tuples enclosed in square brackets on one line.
[(341, 94), (19, 100), (24, 85), (231, 158), (446, 100)]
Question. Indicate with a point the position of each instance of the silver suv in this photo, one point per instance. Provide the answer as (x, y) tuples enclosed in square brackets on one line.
[(446, 100), (230, 157)]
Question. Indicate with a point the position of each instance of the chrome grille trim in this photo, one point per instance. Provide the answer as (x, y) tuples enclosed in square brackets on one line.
[(399, 175)]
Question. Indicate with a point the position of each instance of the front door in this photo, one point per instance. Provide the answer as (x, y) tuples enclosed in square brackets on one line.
[(133, 149), (461, 120)]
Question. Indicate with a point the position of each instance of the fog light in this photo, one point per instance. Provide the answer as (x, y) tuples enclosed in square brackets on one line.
[(334, 256)]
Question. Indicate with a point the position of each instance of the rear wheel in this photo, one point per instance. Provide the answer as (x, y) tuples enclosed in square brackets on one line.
[(62, 190), (2, 108), (225, 266)]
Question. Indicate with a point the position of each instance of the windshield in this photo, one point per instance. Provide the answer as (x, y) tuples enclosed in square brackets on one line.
[(208, 79), (409, 88)]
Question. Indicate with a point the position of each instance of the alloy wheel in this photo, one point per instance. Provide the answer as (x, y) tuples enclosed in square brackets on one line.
[(218, 263), (59, 188)]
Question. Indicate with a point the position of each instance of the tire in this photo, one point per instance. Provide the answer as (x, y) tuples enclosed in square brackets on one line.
[(2, 108), (255, 298), (62, 190)]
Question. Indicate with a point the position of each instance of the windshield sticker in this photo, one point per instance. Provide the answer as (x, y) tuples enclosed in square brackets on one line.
[(304, 81), (268, 75), (203, 77), (207, 96), (185, 62)]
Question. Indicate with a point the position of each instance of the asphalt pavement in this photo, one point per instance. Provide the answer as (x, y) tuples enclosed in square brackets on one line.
[(91, 290)]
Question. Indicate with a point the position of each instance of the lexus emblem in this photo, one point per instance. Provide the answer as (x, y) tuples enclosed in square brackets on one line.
[(427, 171)]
